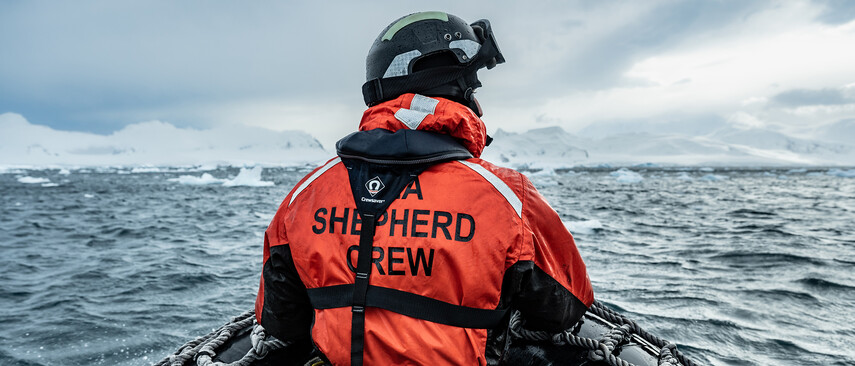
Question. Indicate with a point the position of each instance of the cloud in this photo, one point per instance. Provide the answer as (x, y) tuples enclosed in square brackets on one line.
[(808, 97), (715, 73)]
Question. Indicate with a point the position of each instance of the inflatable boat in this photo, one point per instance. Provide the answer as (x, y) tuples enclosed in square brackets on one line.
[(602, 337)]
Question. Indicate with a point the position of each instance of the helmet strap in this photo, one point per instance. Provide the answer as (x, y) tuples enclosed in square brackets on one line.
[(468, 88)]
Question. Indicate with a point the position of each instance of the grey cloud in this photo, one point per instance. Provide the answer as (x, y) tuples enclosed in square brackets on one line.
[(664, 25), (683, 124), (71, 62), (96, 66), (836, 11), (807, 97)]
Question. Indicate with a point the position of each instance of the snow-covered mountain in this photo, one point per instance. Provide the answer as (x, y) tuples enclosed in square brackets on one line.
[(162, 144), (841, 131), (727, 146), (535, 149), (153, 143)]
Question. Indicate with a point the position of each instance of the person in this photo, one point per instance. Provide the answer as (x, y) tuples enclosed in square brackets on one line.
[(407, 248)]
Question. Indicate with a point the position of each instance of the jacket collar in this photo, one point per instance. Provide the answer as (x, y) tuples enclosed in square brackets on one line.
[(431, 114), (402, 147)]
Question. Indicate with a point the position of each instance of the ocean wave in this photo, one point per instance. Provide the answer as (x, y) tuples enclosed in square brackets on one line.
[(583, 227), (824, 284), (766, 259), (749, 213), (781, 294)]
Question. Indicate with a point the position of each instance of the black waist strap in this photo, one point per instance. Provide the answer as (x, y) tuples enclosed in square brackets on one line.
[(409, 304)]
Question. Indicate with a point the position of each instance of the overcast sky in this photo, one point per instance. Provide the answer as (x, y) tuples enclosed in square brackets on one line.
[(590, 67)]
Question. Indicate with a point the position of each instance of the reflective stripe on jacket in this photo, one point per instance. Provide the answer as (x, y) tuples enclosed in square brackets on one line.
[(461, 238)]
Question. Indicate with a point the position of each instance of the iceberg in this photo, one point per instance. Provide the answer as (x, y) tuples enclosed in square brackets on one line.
[(248, 178), (841, 173), (684, 176), (624, 175)]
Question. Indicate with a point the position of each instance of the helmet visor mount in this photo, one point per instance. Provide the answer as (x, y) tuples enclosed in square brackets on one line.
[(489, 51), (489, 55)]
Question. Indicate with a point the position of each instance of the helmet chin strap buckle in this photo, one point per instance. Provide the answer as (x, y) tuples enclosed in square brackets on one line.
[(469, 97), (475, 107)]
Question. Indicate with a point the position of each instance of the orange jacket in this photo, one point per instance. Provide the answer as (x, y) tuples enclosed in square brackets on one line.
[(457, 242)]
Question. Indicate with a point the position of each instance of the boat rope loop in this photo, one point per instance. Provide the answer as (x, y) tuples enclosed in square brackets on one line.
[(600, 350), (203, 349)]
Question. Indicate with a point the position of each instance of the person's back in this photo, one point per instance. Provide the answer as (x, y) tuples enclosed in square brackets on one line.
[(407, 248)]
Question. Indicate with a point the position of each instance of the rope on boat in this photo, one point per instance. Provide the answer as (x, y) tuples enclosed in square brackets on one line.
[(601, 349), (202, 349)]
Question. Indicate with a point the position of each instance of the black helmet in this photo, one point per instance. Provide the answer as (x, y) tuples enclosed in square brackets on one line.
[(432, 53)]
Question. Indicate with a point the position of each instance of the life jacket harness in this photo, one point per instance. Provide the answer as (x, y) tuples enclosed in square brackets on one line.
[(377, 178)]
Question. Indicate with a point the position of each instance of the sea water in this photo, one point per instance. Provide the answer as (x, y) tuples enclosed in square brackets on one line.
[(738, 267)]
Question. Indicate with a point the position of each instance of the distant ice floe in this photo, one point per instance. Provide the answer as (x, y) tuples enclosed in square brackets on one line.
[(146, 169), (64, 172), (624, 175), (33, 180), (246, 178), (583, 227), (543, 173), (714, 177), (647, 165), (684, 176), (48, 185), (841, 173), (205, 179)]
